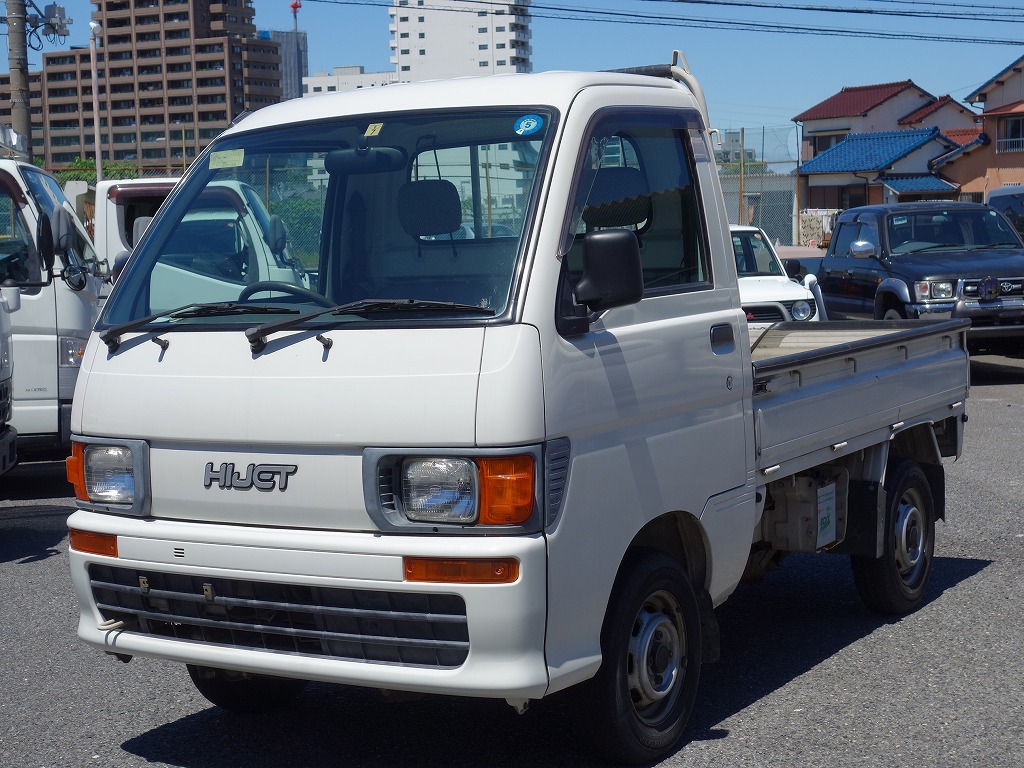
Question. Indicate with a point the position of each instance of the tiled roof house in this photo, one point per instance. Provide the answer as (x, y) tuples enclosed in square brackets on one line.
[(996, 157), (877, 167), (873, 108)]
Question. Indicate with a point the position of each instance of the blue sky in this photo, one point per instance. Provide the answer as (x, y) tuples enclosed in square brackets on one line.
[(751, 79)]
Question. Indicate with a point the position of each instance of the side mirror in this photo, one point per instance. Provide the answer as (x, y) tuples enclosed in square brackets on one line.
[(277, 235), (612, 273), (119, 261), (75, 277), (862, 249), (44, 243), (61, 227), (793, 268)]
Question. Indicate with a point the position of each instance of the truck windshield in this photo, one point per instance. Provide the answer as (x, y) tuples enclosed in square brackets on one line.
[(422, 213), (937, 230)]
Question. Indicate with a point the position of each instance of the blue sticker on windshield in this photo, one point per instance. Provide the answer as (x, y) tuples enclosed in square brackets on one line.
[(529, 124)]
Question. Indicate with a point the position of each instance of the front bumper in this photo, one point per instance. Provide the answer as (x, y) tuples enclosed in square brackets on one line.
[(220, 596), (995, 319)]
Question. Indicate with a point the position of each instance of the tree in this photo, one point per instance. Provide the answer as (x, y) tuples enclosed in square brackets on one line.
[(82, 169)]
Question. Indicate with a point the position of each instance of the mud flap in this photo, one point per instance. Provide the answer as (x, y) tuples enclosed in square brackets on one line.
[(865, 522)]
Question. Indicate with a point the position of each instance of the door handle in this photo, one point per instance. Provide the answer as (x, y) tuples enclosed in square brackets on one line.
[(723, 341)]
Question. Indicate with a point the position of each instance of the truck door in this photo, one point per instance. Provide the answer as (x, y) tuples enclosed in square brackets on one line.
[(663, 377), (864, 274)]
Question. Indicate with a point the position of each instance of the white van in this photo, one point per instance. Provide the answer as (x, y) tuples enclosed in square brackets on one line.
[(57, 310)]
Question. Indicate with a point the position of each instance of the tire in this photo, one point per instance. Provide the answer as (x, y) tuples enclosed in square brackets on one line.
[(894, 313), (636, 708), (895, 583), (244, 691)]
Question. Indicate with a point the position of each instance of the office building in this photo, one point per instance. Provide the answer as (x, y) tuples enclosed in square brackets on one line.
[(460, 38), (294, 49), (173, 75)]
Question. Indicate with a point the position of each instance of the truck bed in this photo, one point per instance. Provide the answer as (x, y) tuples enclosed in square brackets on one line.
[(817, 387)]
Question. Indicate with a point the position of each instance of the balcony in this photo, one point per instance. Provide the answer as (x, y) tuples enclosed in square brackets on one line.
[(1009, 145)]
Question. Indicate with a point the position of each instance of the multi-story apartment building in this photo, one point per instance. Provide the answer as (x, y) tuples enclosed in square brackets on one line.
[(172, 75), (462, 37)]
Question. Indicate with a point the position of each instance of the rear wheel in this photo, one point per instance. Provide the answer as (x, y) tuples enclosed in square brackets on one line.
[(636, 708), (244, 691), (895, 582)]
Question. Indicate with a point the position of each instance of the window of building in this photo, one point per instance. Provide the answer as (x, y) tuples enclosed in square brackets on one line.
[(422, 35), (317, 89), (499, 45), (482, 46), (423, 52), (404, 51), (499, 29), (500, 62), (404, 35), (483, 63), (420, 19), (405, 68), (403, 18), (1011, 135)]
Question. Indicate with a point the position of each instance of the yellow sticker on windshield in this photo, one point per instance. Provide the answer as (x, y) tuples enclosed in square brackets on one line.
[(227, 158), (373, 129)]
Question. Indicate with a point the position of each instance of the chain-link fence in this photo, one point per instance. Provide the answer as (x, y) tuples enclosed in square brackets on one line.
[(757, 168)]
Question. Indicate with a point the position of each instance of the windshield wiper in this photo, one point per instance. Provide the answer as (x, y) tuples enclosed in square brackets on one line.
[(933, 247), (257, 335), (112, 336), (994, 245)]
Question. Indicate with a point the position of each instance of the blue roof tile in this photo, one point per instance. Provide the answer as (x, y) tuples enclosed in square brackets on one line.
[(917, 183), (870, 151)]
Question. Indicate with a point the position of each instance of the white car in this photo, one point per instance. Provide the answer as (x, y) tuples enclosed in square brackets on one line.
[(768, 295)]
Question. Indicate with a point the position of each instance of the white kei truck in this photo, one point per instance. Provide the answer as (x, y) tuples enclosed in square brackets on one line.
[(529, 459), (58, 307)]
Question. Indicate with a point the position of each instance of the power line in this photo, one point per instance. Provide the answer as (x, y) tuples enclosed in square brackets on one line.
[(594, 15), (930, 13)]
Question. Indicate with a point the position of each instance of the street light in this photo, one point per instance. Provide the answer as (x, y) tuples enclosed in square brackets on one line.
[(94, 31)]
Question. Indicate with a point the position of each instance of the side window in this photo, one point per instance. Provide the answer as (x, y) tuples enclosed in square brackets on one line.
[(844, 238), (869, 233), (637, 175), (17, 260)]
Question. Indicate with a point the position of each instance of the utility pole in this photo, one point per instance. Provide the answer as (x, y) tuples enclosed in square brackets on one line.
[(17, 43), (54, 23)]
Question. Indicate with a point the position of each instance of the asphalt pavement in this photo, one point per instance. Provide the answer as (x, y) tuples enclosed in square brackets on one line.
[(808, 677)]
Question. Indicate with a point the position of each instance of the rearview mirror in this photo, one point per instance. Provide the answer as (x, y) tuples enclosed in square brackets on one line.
[(862, 249)]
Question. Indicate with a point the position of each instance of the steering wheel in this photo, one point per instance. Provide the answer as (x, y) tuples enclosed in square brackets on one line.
[(290, 288)]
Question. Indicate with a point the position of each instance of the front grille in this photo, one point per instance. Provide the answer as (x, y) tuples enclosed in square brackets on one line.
[(408, 629), (764, 314)]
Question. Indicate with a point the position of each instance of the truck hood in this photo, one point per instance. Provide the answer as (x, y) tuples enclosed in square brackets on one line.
[(771, 288), (960, 264), (207, 401)]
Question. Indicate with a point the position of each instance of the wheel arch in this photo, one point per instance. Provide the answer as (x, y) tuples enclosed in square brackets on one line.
[(890, 294), (920, 444), (680, 535)]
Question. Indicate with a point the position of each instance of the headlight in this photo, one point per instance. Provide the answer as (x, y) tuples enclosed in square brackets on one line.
[(938, 290), (801, 310), (70, 352), (110, 475), (439, 490), (492, 490)]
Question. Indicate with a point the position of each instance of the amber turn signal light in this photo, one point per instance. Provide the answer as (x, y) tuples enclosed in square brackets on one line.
[(94, 543), (438, 569)]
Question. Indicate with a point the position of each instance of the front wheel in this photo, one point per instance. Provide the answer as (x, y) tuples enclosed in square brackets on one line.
[(636, 708), (244, 691), (895, 583), (894, 313)]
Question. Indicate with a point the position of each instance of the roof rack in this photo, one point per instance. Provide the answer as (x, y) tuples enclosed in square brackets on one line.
[(678, 70)]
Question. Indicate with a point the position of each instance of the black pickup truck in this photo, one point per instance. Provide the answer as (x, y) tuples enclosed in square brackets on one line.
[(930, 260)]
